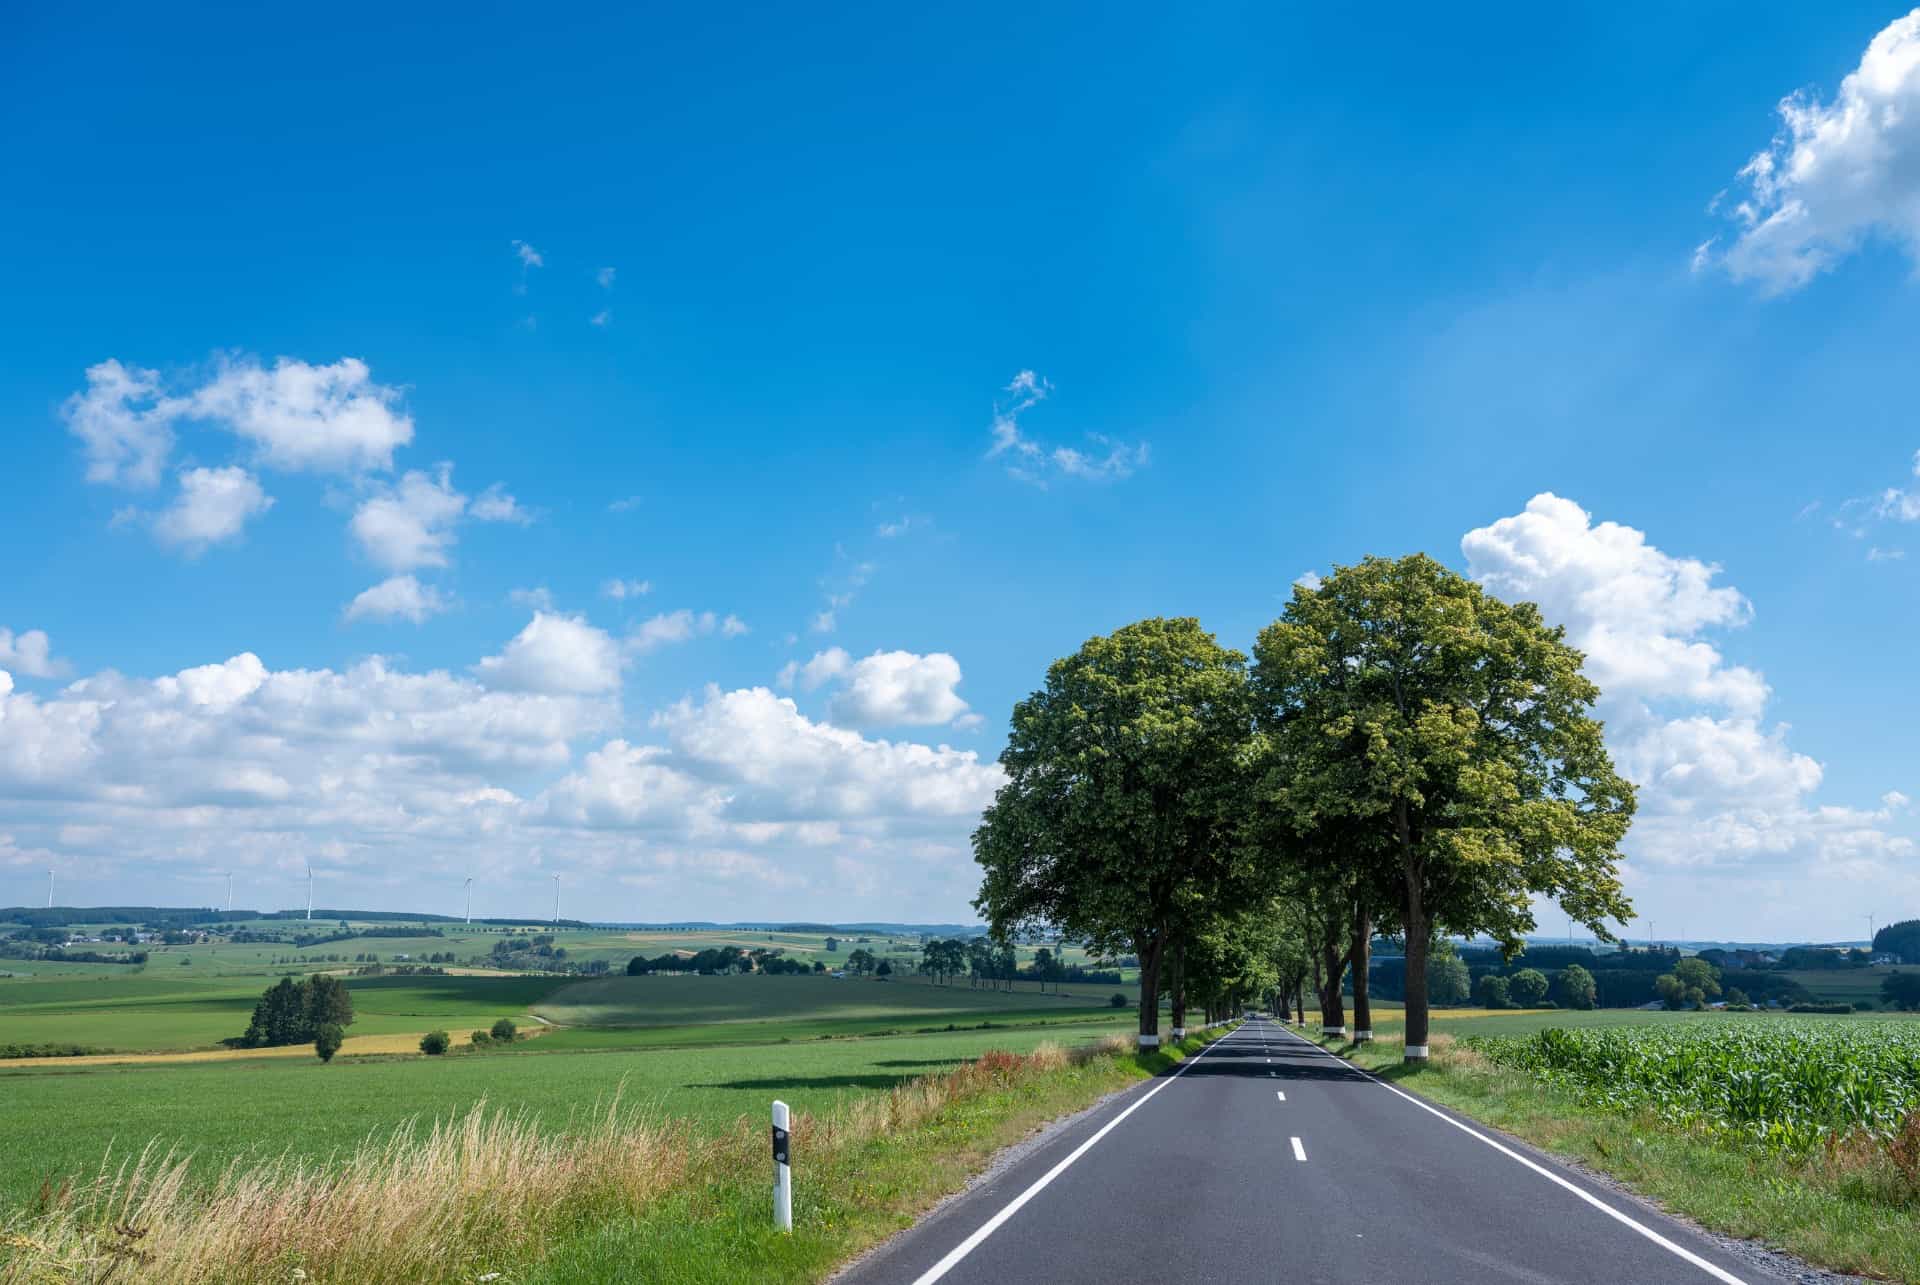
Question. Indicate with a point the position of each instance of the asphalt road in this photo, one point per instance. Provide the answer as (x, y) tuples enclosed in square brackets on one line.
[(1267, 1159)]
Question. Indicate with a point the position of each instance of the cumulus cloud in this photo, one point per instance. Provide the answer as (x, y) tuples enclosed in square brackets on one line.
[(556, 654), (886, 689), (212, 507), (1837, 174), (495, 505), (397, 598), (296, 416), (1035, 463), (681, 626), (619, 590), (528, 256), (400, 778), (332, 419), (1718, 785), (123, 421), (31, 653), (605, 278), (411, 523)]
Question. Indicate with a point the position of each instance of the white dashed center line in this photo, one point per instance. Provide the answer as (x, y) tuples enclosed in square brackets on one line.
[(1299, 1152)]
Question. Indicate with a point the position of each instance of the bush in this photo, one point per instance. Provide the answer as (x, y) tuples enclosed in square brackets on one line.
[(1830, 1009), (1529, 987), (504, 1030), (1118, 1001), (327, 1039), (434, 1043), (481, 1039), (1491, 991)]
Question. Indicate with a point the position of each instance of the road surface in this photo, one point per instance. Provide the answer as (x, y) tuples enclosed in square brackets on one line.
[(1268, 1159)]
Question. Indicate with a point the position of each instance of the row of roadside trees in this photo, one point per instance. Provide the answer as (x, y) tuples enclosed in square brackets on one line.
[(1404, 755)]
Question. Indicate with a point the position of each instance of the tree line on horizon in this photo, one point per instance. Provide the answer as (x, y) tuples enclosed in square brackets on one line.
[(1405, 755)]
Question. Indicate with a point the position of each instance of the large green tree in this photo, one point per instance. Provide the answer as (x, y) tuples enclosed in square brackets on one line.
[(1456, 727), (1117, 821)]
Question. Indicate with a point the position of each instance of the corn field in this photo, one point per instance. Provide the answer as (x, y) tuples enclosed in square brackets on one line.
[(1780, 1083)]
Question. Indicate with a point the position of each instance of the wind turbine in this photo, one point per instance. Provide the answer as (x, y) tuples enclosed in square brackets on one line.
[(49, 887), (229, 892), (556, 901), (469, 898), (309, 891)]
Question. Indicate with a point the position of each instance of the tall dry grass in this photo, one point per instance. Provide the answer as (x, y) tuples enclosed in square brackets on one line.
[(448, 1202)]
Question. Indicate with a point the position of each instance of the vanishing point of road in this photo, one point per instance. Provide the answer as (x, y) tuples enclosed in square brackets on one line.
[(1265, 1159)]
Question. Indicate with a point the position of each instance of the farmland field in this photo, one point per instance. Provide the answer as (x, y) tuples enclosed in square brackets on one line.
[(1781, 1082), (62, 1121)]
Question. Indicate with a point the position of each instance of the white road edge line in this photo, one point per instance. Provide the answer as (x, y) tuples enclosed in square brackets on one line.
[(1679, 1251), (1282, 1093), (1299, 1152), (993, 1224)]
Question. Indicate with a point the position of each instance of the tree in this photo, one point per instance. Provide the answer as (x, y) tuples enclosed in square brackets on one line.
[(1457, 727), (505, 1031), (1448, 981), (327, 1039), (1574, 987), (1737, 998), (637, 966), (885, 969), (1901, 940), (327, 1001), (833, 945), (1529, 987), (1670, 990), (434, 1043), (1043, 967), (1491, 992), (1113, 824), (1901, 990)]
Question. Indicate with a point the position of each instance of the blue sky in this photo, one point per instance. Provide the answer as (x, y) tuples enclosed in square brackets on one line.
[(477, 313)]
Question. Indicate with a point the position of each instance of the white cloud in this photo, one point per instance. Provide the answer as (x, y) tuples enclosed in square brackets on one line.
[(528, 256), (1637, 612), (625, 504), (1308, 580), (1877, 554), (303, 417), (886, 689), (558, 655), (410, 524), (601, 318), (397, 598), (495, 505), (538, 598), (123, 420), (212, 507), (1035, 463), (403, 782), (605, 278), (681, 626), (30, 653), (620, 590), (824, 667), (297, 416), (899, 527), (1836, 175), (781, 766), (1718, 786)]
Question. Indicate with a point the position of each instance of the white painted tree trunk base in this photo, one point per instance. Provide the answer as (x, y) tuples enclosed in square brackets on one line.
[(1361, 1037), (1416, 1052), (1333, 1030), (1149, 1041), (1179, 1032)]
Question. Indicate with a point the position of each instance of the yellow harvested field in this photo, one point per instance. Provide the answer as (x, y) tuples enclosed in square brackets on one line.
[(403, 1042)]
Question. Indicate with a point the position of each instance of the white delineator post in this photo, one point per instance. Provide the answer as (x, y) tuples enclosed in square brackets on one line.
[(782, 1170)]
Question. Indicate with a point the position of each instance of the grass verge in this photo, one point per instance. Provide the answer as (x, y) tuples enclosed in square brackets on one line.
[(619, 1194), (1847, 1206)]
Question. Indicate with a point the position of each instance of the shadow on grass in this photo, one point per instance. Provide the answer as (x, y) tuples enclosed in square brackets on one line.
[(812, 1082)]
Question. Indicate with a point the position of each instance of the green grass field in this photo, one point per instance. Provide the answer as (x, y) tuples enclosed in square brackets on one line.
[(146, 1013), (685, 1000), (61, 1121)]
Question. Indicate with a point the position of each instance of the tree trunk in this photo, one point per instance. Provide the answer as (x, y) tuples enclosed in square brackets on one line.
[(1149, 994), (1362, 955), (1416, 922), (1300, 1000), (1179, 989), (1333, 1017)]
